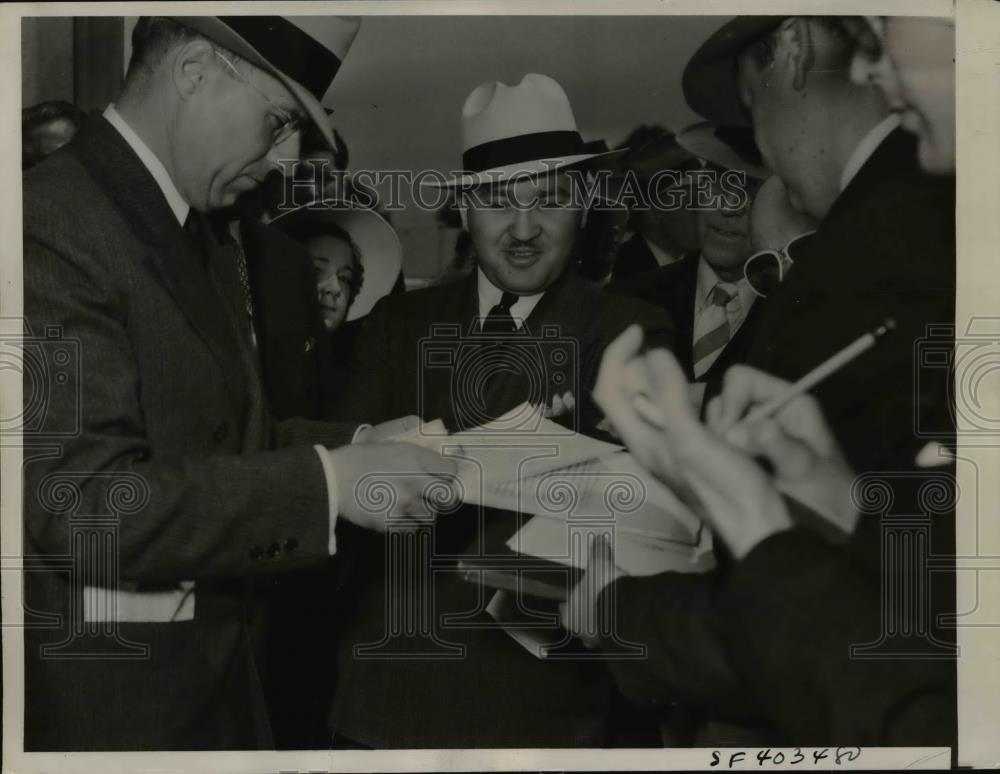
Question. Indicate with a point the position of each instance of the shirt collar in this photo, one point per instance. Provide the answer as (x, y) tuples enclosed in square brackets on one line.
[(708, 279), (490, 294), (868, 145), (662, 256), (153, 165)]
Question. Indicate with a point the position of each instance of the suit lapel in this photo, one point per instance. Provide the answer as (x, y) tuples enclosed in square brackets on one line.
[(168, 252), (685, 287)]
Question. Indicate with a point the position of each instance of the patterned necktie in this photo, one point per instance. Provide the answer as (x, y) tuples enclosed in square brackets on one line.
[(499, 319), (240, 259), (711, 329), (241, 267)]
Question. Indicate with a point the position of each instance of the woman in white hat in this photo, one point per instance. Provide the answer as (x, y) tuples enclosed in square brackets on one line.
[(357, 257)]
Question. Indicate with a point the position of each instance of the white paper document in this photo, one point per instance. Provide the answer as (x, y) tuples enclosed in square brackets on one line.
[(576, 486)]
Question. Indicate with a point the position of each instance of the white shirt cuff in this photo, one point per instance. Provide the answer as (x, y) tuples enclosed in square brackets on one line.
[(332, 495)]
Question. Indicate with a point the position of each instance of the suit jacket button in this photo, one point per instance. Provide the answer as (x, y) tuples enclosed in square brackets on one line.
[(273, 550), (221, 432), (256, 552)]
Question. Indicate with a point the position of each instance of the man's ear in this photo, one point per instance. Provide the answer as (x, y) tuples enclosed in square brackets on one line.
[(193, 63), (795, 46)]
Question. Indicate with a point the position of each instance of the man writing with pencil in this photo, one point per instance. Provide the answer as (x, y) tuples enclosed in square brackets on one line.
[(778, 628), (884, 250)]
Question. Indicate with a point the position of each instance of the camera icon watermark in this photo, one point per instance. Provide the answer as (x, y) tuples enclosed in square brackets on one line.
[(49, 367), (475, 370), (969, 365)]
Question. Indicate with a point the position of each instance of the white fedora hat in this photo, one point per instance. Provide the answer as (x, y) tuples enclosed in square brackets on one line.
[(303, 52), (379, 247), (730, 147), (523, 130)]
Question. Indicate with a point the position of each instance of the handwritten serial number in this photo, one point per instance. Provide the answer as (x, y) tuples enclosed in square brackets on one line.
[(820, 756)]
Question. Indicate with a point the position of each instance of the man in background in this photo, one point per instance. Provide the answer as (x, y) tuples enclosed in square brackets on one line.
[(705, 293), (660, 236)]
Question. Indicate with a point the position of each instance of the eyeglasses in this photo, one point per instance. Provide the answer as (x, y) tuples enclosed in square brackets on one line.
[(289, 123), (765, 270)]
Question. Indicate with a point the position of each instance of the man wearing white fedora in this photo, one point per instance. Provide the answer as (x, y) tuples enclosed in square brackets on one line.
[(165, 436), (467, 352)]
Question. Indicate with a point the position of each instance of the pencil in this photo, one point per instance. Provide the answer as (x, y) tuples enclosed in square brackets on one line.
[(821, 372), (648, 410)]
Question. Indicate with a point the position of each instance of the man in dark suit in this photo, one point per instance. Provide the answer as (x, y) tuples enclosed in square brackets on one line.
[(158, 627), (885, 245), (884, 248), (523, 328)]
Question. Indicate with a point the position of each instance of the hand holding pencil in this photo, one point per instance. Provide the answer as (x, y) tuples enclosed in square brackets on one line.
[(715, 465)]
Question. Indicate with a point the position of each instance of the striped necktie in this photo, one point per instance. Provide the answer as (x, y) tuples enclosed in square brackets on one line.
[(711, 329)]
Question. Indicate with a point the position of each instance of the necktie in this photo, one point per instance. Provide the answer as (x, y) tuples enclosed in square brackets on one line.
[(711, 329), (499, 319), (241, 267), (236, 283)]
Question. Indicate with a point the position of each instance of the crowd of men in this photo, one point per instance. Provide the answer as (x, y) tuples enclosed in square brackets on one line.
[(256, 595)]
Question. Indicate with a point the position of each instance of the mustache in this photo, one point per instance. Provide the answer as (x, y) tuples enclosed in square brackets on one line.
[(535, 243)]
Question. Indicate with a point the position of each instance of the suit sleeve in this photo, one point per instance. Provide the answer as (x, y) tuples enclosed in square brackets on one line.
[(674, 618), (299, 431), (183, 516), (658, 329), (796, 606)]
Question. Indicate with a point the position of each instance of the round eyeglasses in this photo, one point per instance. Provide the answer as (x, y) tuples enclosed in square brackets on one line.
[(288, 123)]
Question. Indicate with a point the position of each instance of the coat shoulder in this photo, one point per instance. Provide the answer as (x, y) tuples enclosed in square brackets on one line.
[(65, 210), (58, 190), (424, 303)]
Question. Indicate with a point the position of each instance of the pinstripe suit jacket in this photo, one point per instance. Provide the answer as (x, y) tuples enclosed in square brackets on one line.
[(163, 394)]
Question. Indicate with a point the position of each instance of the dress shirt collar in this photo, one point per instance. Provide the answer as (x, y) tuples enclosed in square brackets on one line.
[(662, 256), (708, 279), (490, 294), (868, 145), (178, 206)]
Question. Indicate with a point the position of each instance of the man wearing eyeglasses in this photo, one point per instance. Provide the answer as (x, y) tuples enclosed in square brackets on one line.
[(885, 243), (884, 248), (706, 293), (158, 627)]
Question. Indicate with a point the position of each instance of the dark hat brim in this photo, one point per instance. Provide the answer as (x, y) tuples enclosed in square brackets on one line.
[(710, 80)]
